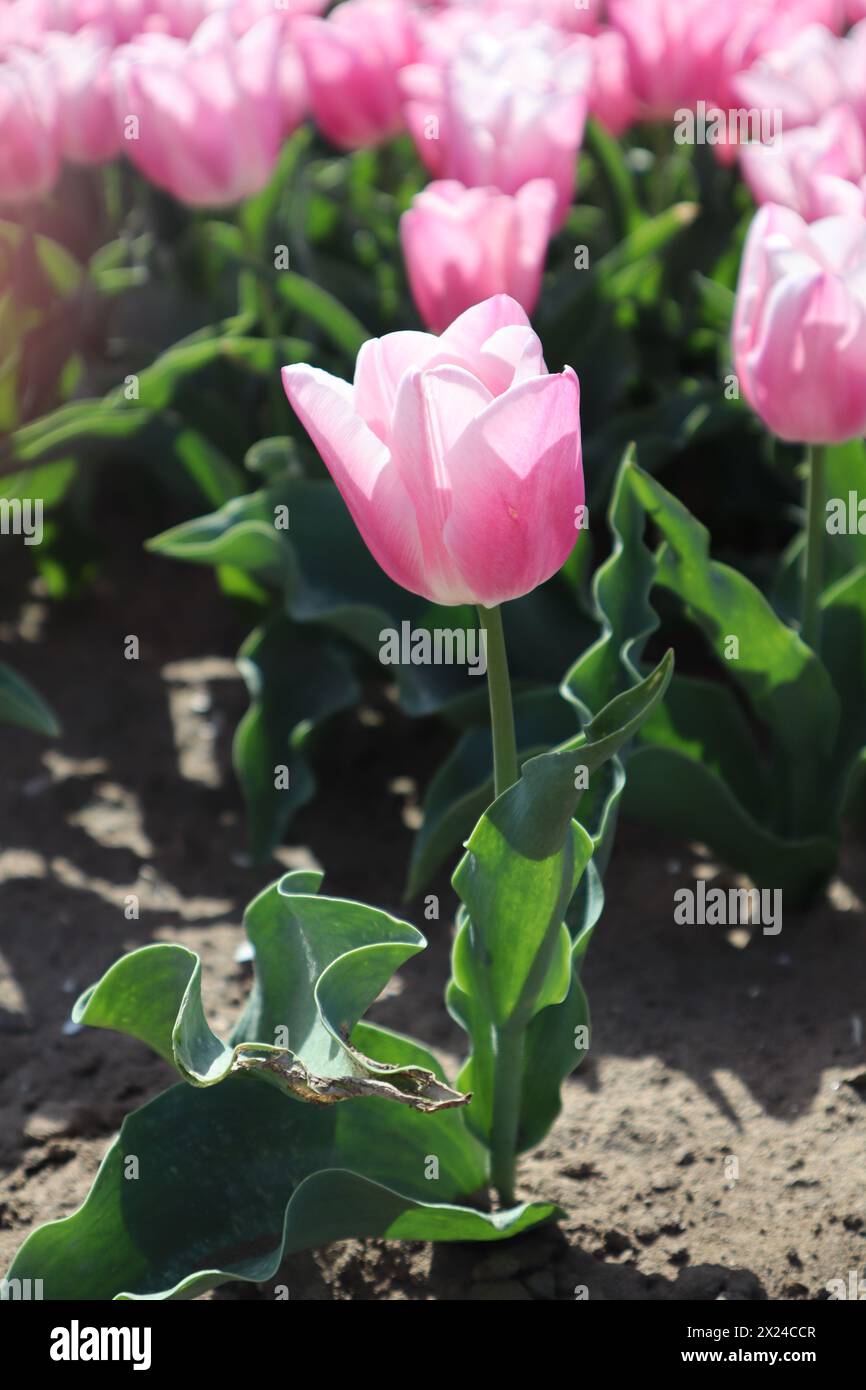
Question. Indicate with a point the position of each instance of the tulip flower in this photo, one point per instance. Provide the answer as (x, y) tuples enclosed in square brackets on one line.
[(685, 51), (459, 457), (674, 49), (88, 128), (813, 169), (561, 14), (611, 96), (29, 154), (208, 115), (801, 80), (509, 106), (463, 245), (352, 60), (800, 325), (799, 342)]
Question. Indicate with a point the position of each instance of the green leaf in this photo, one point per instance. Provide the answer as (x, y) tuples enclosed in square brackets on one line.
[(20, 704), (223, 1178), (716, 302), (295, 679), (690, 799), (463, 785), (785, 682), (326, 312), (234, 1178), (513, 958), (60, 266), (697, 769), (843, 648), (320, 962)]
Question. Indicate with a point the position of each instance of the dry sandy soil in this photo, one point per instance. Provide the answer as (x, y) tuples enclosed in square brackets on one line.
[(711, 1146)]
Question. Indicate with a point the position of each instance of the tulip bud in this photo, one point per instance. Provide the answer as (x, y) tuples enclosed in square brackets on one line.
[(463, 245)]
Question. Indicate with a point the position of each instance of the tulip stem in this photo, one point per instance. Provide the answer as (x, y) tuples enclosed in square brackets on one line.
[(505, 769), (813, 569), (508, 1042)]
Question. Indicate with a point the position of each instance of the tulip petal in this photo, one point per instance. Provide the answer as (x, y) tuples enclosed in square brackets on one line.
[(509, 356), (434, 408), (362, 467), (381, 366), (467, 335), (516, 481)]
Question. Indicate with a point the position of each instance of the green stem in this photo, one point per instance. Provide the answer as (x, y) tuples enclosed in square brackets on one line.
[(508, 1042), (269, 327), (813, 570), (505, 769)]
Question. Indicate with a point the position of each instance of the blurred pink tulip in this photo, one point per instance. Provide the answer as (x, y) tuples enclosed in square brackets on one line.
[(22, 24), (352, 60), (812, 169), (458, 457), (182, 17), (674, 49), (802, 80), (88, 128), (463, 245), (578, 18), (29, 154), (685, 51), (203, 120), (509, 106), (611, 97), (799, 333)]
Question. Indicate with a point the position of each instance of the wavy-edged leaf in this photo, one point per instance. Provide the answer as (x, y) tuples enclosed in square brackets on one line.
[(787, 685), (691, 800), (233, 1178), (320, 963)]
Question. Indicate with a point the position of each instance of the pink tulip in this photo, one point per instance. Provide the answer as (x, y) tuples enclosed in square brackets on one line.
[(611, 97), (22, 25), (121, 19), (463, 245), (88, 129), (685, 51), (561, 14), (674, 49), (799, 333), (810, 168), (29, 154), (509, 106), (803, 80), (352, 60), (208, 116), (458, 457), (182, 17)]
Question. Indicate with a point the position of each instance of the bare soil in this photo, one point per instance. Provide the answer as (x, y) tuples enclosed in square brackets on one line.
[(711, 1146)]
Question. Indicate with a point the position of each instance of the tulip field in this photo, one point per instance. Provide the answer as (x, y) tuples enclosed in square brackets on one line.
[(433, 653)]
